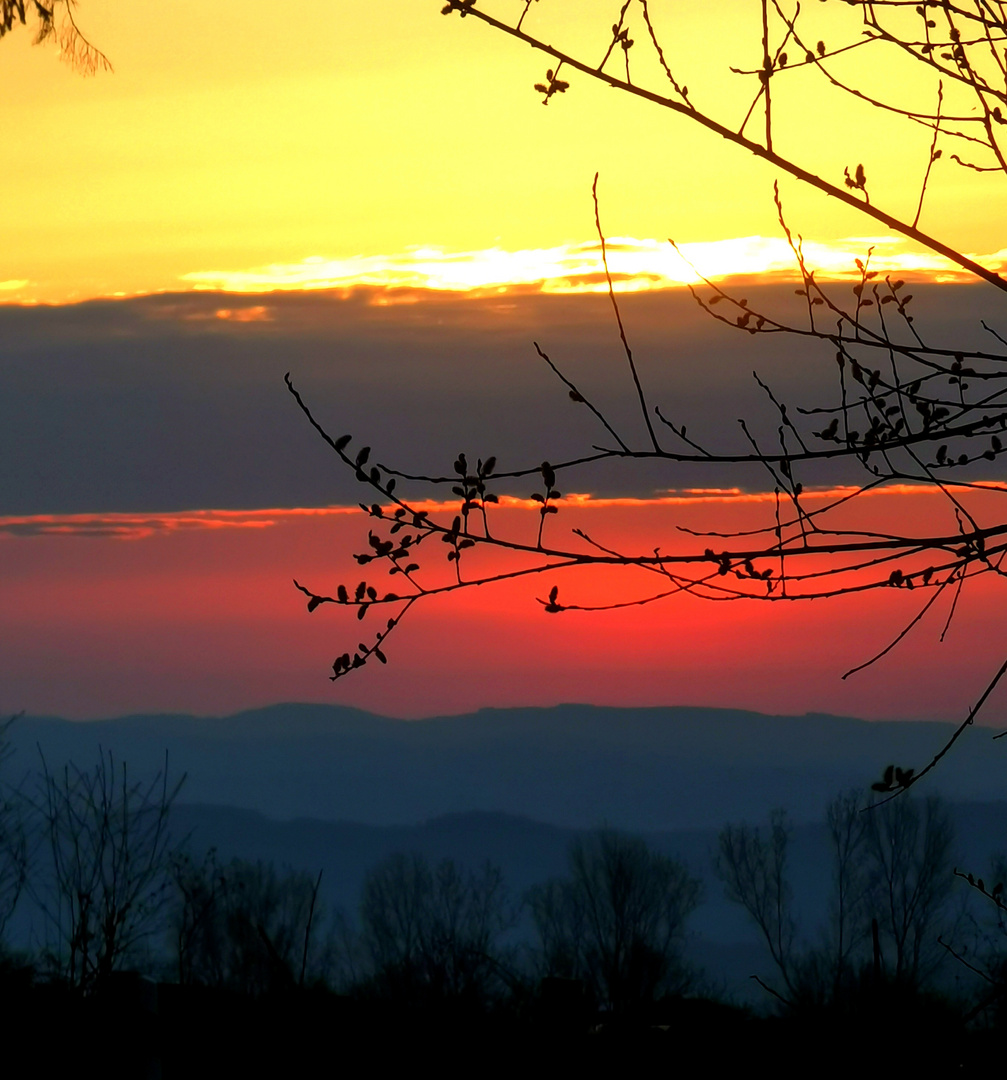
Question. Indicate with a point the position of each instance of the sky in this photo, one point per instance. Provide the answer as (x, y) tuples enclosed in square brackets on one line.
[(228, 139), (373, 198)]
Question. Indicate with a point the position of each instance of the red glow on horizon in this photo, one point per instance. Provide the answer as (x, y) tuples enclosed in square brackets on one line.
[(199, 614)]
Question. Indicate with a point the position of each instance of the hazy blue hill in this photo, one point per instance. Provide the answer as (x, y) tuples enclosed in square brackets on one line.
[(722, 940), (527, 851), (573, 765)]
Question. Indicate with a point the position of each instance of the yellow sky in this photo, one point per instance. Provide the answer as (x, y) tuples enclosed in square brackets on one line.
[(236, 136)]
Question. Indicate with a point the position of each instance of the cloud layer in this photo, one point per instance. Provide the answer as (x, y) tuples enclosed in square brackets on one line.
[(175, 402)]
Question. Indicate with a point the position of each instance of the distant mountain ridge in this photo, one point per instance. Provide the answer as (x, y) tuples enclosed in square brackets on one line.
[(573, 766)]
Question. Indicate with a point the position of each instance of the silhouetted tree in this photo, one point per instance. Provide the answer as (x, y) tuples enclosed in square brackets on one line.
[(849, 921), (754, 871), (891, 868), (906, 407), (433, 933), (246, 927), (103, 884), (908, 846), (617, 921), (13, 840)]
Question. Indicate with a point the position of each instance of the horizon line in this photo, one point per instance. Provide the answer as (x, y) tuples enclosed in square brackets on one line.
[(807, 715)]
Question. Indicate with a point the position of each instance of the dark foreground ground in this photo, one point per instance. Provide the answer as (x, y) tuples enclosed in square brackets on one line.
[(137, 1029)]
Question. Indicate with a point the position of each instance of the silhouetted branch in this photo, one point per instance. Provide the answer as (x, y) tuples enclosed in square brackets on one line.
[(904, 409)]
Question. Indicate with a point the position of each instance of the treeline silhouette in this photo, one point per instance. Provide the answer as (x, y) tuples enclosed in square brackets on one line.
[(151, 958)]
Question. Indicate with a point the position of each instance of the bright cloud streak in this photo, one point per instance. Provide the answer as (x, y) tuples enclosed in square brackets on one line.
[(635, 265), (125, 526)]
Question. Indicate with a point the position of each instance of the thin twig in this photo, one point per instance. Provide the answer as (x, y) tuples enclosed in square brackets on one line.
[(618, 318)]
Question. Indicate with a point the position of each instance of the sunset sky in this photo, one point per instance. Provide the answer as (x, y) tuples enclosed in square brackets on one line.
[(230, 138), (372, 197)]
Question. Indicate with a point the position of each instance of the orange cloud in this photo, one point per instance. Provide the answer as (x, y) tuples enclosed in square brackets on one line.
[(259, 313), (140, 526), (126, 526)]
